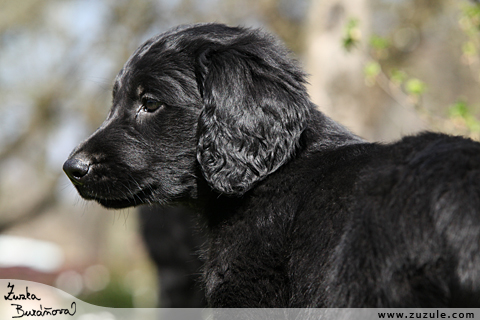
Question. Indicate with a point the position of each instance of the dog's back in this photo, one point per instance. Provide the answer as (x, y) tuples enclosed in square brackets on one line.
[(399, 228)]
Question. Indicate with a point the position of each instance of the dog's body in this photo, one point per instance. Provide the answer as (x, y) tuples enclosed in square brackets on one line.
[(299, 211)]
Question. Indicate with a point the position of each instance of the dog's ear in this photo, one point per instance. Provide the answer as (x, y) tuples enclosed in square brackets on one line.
[(255, 109)]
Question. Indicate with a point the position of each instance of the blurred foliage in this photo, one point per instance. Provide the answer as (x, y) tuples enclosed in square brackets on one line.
[(408, 90), (352, 34), (372, 69), (379, 46), (398, 77), (462, 116), (469, 23), (115, 295), (415, 87)]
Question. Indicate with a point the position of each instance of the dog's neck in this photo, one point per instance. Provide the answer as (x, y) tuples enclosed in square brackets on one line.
[(323, 133)]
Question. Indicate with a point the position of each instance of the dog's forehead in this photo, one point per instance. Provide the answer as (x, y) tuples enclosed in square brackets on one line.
[(174, 40), (127, 67), (165, 41), (121, 79), (165, 46)]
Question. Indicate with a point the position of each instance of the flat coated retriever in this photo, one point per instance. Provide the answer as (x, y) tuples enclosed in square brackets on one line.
[(299, 211)]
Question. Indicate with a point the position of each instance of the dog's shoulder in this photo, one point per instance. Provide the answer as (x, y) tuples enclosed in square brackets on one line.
[(428, 179), (425, 154), (429, 145), (426, 159), (434, 157)]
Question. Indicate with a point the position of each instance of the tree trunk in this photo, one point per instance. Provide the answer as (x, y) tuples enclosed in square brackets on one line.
[(337, 82)]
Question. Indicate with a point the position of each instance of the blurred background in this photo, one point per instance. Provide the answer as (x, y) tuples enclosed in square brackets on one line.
[(384, 68)]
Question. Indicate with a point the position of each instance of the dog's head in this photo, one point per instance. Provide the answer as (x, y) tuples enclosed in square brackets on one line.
[(226, 103)]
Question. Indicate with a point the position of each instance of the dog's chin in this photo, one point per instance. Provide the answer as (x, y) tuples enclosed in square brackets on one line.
[(118, 203), (114, 202)]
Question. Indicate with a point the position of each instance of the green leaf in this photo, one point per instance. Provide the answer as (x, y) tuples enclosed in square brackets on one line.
[(415, 87), (459, 109), (398, 77), (372, 69), (472, 12), (462, 110), (352, 34), (379, 43), (469, 48)]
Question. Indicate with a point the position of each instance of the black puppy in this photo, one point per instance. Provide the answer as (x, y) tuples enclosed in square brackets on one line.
[(299, 211)]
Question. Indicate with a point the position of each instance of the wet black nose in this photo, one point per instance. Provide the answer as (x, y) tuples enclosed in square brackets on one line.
[(76, 169)]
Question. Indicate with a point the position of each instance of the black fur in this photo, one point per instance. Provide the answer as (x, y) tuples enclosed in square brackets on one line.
[(299, 212), (170, 238)]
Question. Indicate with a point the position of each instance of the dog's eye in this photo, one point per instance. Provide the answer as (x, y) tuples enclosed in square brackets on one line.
[(150, 105)]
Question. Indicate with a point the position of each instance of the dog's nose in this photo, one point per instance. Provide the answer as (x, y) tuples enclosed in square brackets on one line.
[(76, 169)]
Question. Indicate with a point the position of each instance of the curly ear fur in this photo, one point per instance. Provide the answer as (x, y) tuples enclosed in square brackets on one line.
[(255, 109)]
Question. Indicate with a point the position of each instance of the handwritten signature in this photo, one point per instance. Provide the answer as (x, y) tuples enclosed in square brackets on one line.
[(41, 311)]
